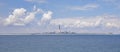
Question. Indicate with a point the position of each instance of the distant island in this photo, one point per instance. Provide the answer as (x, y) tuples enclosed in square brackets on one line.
[(60, 32)]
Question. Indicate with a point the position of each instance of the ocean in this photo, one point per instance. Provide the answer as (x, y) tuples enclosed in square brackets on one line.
[(60, 43)]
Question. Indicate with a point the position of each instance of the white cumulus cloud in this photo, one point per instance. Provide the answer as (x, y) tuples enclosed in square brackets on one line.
[(21, 16), (31, 16), (16, 14), (46, 17)]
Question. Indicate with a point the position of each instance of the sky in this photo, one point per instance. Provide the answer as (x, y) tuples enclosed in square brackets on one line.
[(81, 16)]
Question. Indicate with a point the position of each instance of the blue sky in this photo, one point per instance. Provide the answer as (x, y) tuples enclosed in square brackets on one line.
[(83, 16)]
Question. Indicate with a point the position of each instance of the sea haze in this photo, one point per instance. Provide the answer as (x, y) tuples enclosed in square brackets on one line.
[(61, 43)]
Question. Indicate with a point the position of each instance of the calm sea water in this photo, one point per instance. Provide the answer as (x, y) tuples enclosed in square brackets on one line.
[(61, 43)]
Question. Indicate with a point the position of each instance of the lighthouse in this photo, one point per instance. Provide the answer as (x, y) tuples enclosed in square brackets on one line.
[(59, 29)]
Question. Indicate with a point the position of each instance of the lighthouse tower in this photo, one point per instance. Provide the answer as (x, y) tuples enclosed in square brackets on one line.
[(59, 29)]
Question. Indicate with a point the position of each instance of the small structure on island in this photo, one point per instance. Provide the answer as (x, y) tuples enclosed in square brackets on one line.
[(59, 29)]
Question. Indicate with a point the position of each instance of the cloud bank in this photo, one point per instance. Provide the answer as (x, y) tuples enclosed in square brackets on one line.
[(104, 21)]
